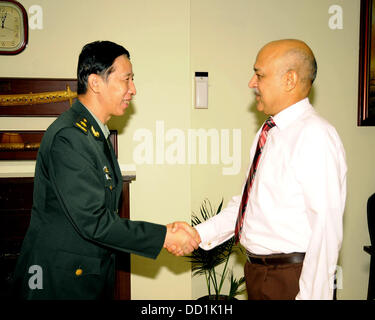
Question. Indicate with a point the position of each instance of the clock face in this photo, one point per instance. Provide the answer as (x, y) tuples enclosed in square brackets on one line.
[(13, 27)]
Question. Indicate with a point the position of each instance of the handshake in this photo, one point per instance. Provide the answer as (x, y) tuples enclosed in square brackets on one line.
[(181, 238)]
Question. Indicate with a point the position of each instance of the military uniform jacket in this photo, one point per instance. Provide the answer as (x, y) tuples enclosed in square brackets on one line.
[(75, 229)]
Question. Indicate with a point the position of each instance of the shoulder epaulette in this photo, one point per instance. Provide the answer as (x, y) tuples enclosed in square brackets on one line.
[(82, 124)]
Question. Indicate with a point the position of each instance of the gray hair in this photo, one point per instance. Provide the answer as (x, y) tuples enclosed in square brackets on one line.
[(303, 62)]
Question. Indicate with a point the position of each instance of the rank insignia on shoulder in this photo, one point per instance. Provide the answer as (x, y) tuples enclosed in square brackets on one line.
[(83, 123), (94, 132), (81, 126)]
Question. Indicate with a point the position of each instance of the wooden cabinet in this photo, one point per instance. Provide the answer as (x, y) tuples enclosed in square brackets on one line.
[(122, 287), (15, 209)]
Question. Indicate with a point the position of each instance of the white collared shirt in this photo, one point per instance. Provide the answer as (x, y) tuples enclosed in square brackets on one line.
[(297, 200)]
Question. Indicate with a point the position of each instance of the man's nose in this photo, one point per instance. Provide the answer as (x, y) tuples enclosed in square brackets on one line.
[(253, 82), (132, 89)]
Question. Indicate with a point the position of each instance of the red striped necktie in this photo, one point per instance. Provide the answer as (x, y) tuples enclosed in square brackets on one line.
[(245, 196)]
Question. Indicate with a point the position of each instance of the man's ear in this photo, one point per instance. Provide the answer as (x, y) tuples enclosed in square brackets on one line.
[(290, 80), (94, 82)]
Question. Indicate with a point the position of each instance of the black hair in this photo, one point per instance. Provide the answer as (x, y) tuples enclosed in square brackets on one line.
[(97, 57)]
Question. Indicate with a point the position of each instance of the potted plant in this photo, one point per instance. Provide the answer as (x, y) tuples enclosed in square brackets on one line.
[(206, 262)]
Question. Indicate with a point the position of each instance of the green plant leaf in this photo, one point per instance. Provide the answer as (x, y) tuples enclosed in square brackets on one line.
[(235, 286), (204, 262)]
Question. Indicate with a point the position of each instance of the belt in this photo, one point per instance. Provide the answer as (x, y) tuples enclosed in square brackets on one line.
[(276, 259)]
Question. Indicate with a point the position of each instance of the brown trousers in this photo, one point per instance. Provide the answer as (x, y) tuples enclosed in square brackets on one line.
[(272, 282)]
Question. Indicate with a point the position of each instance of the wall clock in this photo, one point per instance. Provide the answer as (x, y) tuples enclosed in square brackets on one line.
[(13, 27)]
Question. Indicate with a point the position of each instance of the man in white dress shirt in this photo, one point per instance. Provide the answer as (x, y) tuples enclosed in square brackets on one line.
[(292, 229)]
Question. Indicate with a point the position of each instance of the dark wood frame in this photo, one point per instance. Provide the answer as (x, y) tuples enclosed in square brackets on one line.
[(36, 137), (10, 86), (366, 111), (25, 153), (25, 30)]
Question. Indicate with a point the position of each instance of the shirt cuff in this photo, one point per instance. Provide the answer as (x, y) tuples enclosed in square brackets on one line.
[(206, 235)]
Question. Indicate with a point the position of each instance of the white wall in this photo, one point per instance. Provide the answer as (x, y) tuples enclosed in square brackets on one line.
[(225, 38)]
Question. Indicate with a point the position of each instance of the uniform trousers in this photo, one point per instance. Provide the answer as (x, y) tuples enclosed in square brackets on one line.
[(272, 282)]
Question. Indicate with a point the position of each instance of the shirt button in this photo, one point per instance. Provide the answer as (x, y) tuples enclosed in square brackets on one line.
[(79, 272)]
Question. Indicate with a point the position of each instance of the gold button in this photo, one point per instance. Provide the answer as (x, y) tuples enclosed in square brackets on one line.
[(110, 187), (78, 272)]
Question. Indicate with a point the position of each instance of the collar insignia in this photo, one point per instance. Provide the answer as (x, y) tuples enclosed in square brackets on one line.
[(94, 132)]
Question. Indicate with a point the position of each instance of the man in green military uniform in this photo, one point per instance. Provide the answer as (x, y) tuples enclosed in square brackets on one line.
[(75, 228)]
